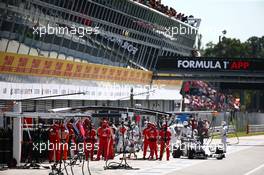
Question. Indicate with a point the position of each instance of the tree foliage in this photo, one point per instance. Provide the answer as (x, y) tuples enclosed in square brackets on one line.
[(231, 47)]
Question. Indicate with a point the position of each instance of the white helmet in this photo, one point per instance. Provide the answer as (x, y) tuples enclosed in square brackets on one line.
[(195, 132), (223, 123), (185, 123)]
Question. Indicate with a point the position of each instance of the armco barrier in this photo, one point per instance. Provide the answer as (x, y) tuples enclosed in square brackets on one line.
[(255, 128)]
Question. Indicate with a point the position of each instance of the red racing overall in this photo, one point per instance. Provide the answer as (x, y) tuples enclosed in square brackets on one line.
[(152, 134), (71, 140), (111, 151), (64, 139), (165, 136), (54, 139), (146, 140), (90, 140), (104, 134)]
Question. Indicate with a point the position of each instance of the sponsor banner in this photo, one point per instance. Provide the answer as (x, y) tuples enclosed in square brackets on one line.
[(168, 83), (93, 91), (123, 44), (212, 64), (40, 66)]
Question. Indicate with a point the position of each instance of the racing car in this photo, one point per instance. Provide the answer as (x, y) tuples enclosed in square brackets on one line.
[(191, 148)]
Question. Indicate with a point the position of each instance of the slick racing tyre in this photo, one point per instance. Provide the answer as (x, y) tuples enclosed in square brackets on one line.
[(176, 153), (191, 154), (220, 157)]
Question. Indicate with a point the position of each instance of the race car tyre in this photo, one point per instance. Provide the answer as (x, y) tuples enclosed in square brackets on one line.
[(177, 153), (191, 154), (220, 157)]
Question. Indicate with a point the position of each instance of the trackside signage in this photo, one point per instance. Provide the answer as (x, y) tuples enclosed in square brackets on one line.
[(175, 64), (209, 64)]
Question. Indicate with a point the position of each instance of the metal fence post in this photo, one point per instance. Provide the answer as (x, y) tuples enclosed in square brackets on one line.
[(17, 133)]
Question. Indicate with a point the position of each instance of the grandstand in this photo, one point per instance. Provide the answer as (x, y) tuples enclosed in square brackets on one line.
[(120, 51), (103, 48)]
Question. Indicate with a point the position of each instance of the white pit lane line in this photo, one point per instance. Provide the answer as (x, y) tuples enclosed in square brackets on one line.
[(184, 163), (255, 170)]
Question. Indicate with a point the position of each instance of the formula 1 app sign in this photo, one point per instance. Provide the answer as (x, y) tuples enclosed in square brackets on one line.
[(219, 65)]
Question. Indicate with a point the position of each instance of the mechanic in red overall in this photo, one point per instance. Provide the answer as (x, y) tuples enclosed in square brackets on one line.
[(54, 139), (152, 134), (90, 139), (72, 138), (64, 138), (146, 139), (165, 137), (104, 134), (111, 151)]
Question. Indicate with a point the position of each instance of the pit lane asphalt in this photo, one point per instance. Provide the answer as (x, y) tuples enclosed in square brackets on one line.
[(245, 158), (249, 161)]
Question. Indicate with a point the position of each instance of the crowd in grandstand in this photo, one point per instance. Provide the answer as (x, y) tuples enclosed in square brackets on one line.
[(203, 96), (157, 5)]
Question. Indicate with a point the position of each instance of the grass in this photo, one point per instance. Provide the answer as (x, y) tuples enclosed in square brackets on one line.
[(244, 134), (240, 134)]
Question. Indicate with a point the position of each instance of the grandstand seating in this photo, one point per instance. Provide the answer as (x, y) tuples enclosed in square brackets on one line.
[(201, 95), (171, 12)]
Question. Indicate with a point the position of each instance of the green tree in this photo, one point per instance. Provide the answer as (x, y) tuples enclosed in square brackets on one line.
[(255, 47), (231, 47), (228, 47)]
